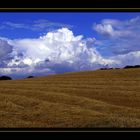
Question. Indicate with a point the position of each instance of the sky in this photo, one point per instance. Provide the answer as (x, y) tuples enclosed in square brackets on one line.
[(46, 43)]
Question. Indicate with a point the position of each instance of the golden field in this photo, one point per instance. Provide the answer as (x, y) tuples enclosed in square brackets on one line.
[(91, 99)]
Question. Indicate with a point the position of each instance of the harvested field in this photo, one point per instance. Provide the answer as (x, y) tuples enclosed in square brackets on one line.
[(102, 98)]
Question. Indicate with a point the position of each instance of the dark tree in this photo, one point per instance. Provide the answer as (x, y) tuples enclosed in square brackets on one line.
[(136, 66), (5, 78), (103, 68), (30, 77)]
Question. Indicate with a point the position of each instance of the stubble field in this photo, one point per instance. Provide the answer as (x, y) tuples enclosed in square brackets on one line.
[(102, 98)]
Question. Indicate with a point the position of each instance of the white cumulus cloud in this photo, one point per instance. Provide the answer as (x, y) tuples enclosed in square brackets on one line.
[(119, 36), (56, 52)]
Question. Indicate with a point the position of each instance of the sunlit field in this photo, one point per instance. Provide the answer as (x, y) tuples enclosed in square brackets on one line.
[(102, 98)]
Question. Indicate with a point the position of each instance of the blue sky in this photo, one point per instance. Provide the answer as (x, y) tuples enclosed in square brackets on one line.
[(48, 43), (81, 22)]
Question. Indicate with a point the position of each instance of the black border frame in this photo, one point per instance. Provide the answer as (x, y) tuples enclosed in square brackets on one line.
[(69, 10)]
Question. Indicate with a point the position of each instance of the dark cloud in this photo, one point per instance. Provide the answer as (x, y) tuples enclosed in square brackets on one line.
[(5, 48)]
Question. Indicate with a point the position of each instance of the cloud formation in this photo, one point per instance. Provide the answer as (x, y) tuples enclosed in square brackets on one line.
[(35, 25), (58, 51), (61, 51), (131, 58), (122, 35), (5, 48)]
